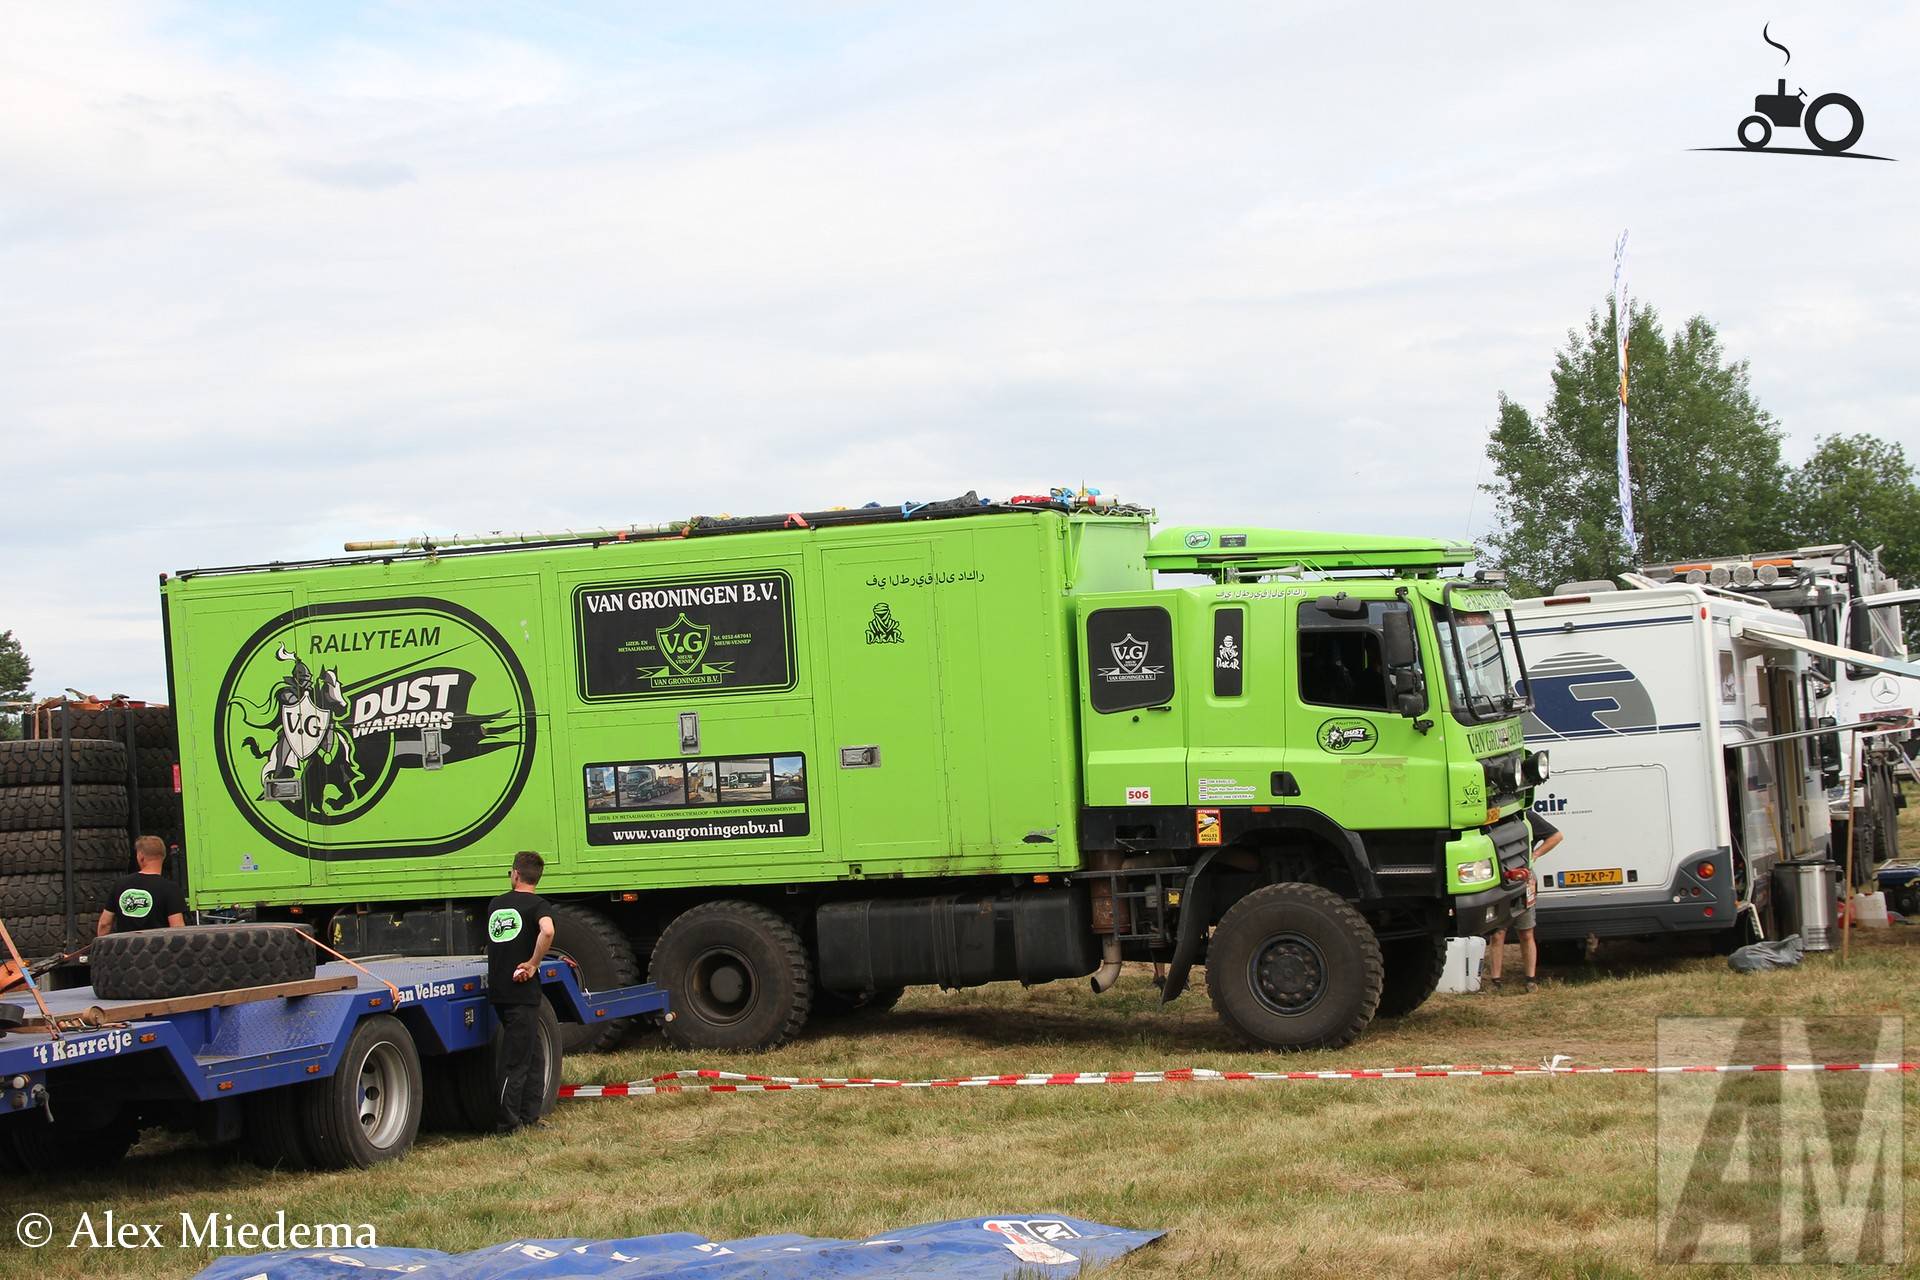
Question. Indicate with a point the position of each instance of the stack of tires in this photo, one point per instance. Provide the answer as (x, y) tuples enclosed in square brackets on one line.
[(33, 889), (156, 752)]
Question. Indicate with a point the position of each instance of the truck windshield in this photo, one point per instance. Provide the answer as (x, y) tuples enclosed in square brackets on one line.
[(1477, 678)]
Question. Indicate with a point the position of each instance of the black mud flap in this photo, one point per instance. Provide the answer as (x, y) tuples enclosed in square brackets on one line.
[(1196, 908)]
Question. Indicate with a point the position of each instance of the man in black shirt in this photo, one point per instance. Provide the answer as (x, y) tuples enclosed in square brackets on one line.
[(1545, 838), (519, 931), (147, 900)]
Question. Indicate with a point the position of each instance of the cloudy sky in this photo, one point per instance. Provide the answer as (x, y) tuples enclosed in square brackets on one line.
[(269, 281)]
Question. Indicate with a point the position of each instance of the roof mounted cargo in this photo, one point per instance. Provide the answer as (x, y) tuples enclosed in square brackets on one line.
[(1215, 550)]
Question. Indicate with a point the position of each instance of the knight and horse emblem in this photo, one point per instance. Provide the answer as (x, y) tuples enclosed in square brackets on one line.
[(306, 733)]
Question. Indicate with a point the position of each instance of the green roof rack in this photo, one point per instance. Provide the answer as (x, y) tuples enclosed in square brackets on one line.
[(1217, 550)]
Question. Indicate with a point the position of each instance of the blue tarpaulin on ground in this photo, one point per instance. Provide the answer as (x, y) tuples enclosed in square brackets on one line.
[(965, 1249)]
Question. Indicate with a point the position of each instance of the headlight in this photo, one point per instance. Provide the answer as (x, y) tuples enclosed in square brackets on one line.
[(1535, 770), (1479, 871)]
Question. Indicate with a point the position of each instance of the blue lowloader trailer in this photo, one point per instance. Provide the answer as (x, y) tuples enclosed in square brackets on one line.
[(337, 1070)]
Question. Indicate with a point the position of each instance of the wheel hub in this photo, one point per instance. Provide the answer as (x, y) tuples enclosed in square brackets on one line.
[(722, 989), (1289, 975)]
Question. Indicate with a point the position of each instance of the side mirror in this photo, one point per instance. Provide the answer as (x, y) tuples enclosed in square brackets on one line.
[(1399, 648)]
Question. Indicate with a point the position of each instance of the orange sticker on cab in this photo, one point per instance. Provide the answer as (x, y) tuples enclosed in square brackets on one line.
[(1206, 826)]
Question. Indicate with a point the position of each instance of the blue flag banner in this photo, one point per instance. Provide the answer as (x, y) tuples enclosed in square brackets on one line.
[(965, 1249)]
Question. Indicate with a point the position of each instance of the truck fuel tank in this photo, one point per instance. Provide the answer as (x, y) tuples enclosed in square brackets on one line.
[(957, 940)]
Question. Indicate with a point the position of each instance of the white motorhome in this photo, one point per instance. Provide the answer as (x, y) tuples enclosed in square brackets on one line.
[(1683, 766)]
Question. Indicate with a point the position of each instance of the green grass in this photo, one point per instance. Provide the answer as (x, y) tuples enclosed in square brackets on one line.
[(1326, 1179)]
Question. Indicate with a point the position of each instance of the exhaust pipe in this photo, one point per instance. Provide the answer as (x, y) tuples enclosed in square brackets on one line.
[(1109, 971)]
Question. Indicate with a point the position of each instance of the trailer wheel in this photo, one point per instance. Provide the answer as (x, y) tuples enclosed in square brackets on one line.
[(37, 808), (1292, 966), (271, 1120), (37, 761), (369, 1110), (85, 1137), (25, 853), (1413, 969), (606, 961), (474, 1085), (154, 964), (736, 975)]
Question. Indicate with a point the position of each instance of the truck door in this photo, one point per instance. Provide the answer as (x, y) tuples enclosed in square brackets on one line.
[(1351, 755), (1136, 739), (887, 754)]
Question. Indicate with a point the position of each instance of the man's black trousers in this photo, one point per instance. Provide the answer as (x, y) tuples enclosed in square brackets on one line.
[(519, 1083)]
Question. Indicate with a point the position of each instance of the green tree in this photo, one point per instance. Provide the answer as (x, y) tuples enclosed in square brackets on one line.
[(1705, 457), (16, 673), (1858, 488)]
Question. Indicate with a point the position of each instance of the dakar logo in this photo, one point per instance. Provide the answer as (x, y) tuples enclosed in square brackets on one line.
[(683, 643), (135, 903), (422, 685), (503, 925), (1346, 737), (1227, 658), (883, 629)]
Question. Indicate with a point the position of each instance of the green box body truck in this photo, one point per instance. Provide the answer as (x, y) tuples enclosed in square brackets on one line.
[(790, 766)]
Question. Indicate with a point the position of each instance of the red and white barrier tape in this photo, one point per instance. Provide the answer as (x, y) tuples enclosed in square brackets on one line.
[(734, 1082)]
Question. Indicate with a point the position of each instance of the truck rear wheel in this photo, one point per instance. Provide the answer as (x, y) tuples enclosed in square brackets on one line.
[(272, 1121), (1413, 969), (605, 959), (736, 976), (369, 1110), (1292, 966)]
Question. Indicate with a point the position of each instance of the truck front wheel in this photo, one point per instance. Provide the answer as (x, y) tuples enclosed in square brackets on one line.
[(1292, 966), (736, 976)]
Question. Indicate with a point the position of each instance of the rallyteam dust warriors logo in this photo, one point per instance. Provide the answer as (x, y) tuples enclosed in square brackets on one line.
[(383, 728)]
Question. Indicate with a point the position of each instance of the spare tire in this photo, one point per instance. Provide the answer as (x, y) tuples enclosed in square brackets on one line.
[(94, 849), (29, 764), (38, 808), (153, 964)]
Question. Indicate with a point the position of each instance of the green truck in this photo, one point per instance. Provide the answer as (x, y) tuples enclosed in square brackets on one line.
[(788, 766)]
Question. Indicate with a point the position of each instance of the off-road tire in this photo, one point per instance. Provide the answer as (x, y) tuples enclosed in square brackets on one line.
[(41, 936), (37, 808), (333, 1114), (153, 964), (152, 726), (714, 939), (605, 959), (36, 762), (1290, 915), (25, 853), (46, 895), (1413, 970), (476, 1082), (153, 766), (273, 1134)]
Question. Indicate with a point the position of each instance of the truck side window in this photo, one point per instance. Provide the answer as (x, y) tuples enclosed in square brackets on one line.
[(1341, 663), (1129, 658)]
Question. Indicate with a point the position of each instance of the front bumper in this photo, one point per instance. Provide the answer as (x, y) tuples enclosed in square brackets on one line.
[(1476, 914)]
